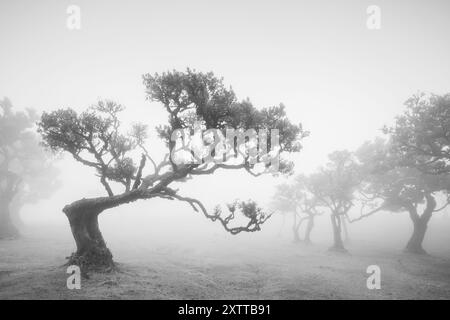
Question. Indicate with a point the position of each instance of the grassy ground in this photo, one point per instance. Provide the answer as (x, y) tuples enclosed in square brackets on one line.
[(31, 268)]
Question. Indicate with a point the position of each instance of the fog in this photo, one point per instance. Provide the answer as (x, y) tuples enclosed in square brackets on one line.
[(342, 81)]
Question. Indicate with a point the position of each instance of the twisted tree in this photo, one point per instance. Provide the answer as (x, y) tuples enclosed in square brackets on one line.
[(333, 187), (24, 167), (388, 186), (191, 99), (294, 199)]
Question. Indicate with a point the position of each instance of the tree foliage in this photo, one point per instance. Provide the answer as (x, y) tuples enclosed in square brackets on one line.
[(95, 139), (27, 173), (421, 135), (395, 188)]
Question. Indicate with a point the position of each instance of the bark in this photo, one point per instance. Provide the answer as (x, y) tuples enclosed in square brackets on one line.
[(92, 254), (415, 242), (7, 228), (338, 244), (420, 224)]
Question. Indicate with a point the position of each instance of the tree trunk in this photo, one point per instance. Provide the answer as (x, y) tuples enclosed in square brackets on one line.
[(7, 228), (16, 207), (338, 244), (345, 230), (420, 224), (309, 228), (92, 254), (295, 229), (415, 242)]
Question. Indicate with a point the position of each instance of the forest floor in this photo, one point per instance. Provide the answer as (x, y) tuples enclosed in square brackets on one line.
[(31, 268)]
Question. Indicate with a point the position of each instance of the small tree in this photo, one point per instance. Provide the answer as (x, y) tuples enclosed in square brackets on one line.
[(333, 187), (24, 167), (94, 139), (293, 199), (388, 186), (421, 135)]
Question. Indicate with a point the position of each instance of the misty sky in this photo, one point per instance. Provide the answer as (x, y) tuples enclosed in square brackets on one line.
[(341, 80)]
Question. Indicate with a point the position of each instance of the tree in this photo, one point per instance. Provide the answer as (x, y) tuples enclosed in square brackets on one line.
[(292, 199), (388, 186), (24, 167), (421, 135), (191, 98), (333, 187), (38, 186)]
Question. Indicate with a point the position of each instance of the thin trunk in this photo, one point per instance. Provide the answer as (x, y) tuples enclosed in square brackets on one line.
[(309, 228), (345, 230), (7, 228), (338, 244), (295, 229), (16, 207)]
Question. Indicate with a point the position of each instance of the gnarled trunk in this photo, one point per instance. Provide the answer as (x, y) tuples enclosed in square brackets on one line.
[(415, 242), (92, 254), (7, 228), (338, 244), (420, 224)]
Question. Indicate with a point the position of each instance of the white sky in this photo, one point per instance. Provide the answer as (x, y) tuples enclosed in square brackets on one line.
[(341, 80)]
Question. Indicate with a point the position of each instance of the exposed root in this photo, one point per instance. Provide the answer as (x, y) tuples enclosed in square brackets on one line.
[(415, 250), (96, 259)]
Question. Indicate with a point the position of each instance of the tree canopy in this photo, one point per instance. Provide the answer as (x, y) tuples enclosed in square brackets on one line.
[(95, 139), (27, 173), (421, 135)]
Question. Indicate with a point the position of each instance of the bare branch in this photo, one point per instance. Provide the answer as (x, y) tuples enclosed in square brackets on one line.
[(253, 225), (365, 215), (137, 182)]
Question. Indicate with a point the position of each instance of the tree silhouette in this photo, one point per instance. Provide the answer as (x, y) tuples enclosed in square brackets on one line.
[(333, 187), (191, 98), (26, 171), (388, 186), (293, 198)]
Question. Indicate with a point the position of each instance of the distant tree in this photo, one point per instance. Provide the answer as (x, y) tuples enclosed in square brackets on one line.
[(421, 135), (292, 199), (387, 186), (333, 187), (94, 139), (26, 171), (40, 185)]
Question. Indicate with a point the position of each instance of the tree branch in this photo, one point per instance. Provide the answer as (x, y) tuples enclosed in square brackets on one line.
[(253, 225)]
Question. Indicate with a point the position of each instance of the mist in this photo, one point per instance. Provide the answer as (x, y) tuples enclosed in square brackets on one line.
[(342, 81)]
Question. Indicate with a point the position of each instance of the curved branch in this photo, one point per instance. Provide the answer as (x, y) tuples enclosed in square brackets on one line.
[(365, 215), (253, 225)]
